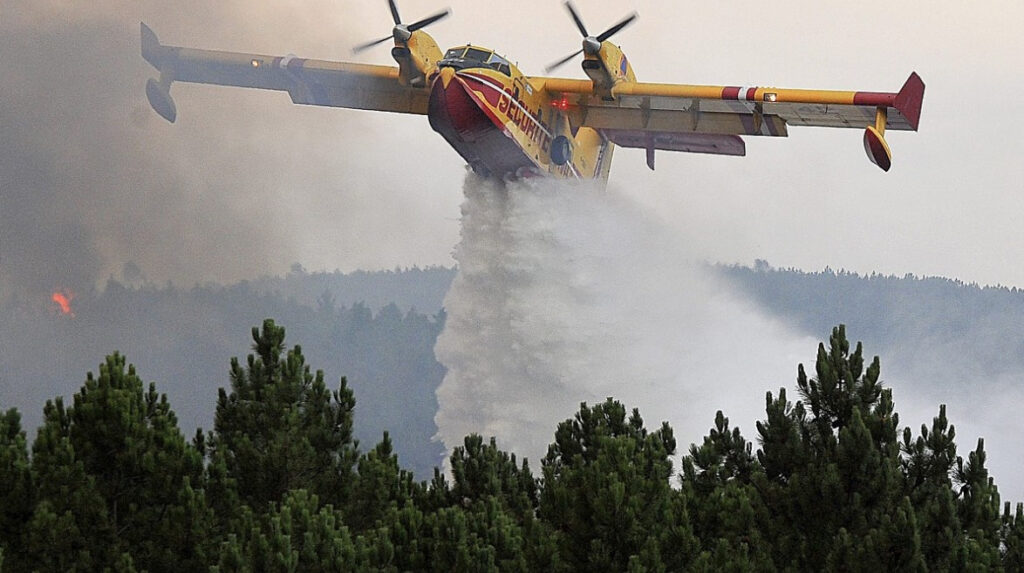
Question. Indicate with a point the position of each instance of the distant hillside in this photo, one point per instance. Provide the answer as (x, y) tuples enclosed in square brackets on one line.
[(936, 327), (357, 325)]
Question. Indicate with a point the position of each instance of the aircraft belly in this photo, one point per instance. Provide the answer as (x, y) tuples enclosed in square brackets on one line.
[(455, 114)]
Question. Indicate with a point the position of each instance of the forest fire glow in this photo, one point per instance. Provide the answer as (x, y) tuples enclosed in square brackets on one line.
[(63, 300)]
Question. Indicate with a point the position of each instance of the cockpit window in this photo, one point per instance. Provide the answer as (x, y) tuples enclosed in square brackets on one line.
[(496, 62), (465, 57), (478, 55)]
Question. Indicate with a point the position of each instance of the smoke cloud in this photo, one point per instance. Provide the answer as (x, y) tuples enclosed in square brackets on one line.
[(243, 185), (567, 293)]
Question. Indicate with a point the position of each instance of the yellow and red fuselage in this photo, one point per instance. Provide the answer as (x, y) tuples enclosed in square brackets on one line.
[(504, 125)]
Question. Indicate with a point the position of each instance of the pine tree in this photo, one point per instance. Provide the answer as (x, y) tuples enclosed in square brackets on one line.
[(500, 499), (281, 429), (832, 469), (299, 534), (606, 491), (380, 486), (927, 466), (70, 529), (17, 494), (1012, 537), (114, 479), (481, 471), (978, 509), (720, 501)]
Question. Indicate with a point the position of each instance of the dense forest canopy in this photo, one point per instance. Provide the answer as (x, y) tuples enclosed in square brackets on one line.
[(831, 482)]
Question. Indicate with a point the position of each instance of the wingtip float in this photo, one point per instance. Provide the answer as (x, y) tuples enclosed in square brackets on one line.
[(508, 125)]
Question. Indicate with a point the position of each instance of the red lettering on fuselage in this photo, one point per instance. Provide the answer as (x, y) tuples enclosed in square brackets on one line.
[(529, 123), (505, 100)]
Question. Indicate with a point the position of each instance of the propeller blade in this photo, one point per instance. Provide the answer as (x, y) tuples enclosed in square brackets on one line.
[(562, 62), (576, 18), (394, 12), (614, 29), (429, 20), (368, 45)]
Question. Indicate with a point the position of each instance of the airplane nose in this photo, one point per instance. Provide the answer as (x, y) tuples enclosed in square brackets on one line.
[(446, 76)]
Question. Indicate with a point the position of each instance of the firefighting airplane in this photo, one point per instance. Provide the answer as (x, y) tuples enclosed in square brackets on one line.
[(509, 125)]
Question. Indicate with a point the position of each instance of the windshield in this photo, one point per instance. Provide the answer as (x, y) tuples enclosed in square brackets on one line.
[(469, 57), (477, 54)]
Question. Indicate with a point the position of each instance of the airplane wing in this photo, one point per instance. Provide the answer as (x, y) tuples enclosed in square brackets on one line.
[(312, 82), (711, 119)]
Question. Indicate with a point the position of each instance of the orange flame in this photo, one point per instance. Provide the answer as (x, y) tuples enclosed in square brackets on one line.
[(63, 300)]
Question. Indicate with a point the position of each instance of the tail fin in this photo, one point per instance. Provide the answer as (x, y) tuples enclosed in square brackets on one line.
[(909, 100)]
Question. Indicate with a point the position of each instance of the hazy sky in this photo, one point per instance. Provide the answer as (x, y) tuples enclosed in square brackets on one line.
[(247, 183)]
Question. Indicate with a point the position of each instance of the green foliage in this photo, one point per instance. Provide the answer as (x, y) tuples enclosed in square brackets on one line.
[(70, 528), (281, 429), (299, 534), (129, 440), (832, 469), (1012, 536), (979, 507), (927, 465), (500, 500), (482, 471), (833, 486), (380, 486), (606, 489), (113, 477), (17, 492), (721, 503)]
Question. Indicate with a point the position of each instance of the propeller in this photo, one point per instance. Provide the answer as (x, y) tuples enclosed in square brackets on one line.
[(402, 32), (591, 44)]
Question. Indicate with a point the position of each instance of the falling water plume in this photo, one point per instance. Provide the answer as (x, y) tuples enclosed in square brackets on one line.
[(569, 293)]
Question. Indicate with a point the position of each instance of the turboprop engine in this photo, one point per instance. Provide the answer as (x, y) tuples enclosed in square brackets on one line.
[(603, 62)]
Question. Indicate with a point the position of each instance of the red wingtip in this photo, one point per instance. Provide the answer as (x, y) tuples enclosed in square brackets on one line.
[(910, 98)]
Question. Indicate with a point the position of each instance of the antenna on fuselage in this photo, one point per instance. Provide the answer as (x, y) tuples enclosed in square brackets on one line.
[(591, 44), (402, 32)]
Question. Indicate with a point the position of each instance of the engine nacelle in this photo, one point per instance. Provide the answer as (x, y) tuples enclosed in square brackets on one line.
[(607, 67), (416, 58)]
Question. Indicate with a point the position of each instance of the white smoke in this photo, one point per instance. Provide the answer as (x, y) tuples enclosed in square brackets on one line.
[(568, 293)]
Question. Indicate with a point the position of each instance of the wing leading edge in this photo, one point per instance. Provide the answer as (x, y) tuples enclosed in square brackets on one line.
[(311, 82), (710, 119)]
